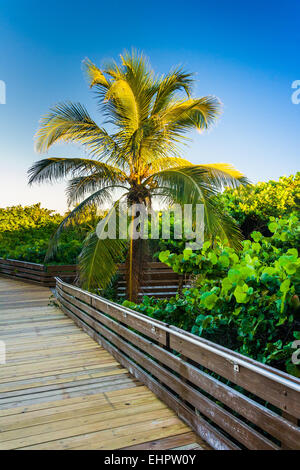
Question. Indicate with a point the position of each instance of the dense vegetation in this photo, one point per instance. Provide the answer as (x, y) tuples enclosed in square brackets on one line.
[(251, 206), (246, 300), (25, 233)]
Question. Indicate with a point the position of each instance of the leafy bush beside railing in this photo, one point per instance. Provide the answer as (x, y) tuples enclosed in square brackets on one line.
[(247, 301)]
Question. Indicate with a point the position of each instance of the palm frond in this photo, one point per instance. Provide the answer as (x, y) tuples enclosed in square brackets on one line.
[(99, 197), (170, 84), (70, 122), (94, 75), (80, 186), (222, 175), (140, 76), (192, 113), (54, 169), (124, 105), (159, 136), (164, 163), (220, 224), (189, 185), (127, 103), (99, 257), (182, 184)]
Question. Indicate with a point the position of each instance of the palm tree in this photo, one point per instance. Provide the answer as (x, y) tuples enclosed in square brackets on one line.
[(140, 157)]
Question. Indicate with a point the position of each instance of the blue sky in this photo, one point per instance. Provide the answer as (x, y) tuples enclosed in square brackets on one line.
[(246, 53)]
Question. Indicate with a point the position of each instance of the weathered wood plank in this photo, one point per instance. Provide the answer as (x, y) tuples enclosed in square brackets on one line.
[(137, 322), (280, 395)]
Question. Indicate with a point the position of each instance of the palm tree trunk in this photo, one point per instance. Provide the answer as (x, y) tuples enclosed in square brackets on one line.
[(134, 269), (136, 258)]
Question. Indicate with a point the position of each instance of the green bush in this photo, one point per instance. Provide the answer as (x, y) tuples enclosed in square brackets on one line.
[(246, 301), (251, 206), (25, 233)]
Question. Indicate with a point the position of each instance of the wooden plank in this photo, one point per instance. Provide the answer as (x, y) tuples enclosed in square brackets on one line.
[(152, 290), (149, 265), (22, 288), (23, 386), (62, 268), (84, 359), (36, 272), (69, 392), (65, 428), (117, 437), (37, 276), (23, 270), (24, 264), (166, 443), (282, 396), (31, 280), (23, 327), (154, 282), (98, 403), (237, 355), (15, 355), (39, 331), (56, 384), (41, 345), (123, 315), (66, 403)]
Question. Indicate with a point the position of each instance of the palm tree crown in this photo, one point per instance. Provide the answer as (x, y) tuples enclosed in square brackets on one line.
[(141, 157)]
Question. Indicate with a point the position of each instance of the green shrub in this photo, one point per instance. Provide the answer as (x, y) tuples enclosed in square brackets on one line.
[(251, 206), (25, 233), (246, 301)]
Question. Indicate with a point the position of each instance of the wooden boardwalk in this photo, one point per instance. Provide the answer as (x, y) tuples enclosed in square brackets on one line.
[(60, 390)]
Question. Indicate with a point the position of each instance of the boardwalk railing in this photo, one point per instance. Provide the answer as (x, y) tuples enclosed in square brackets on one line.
[(36, 273), (231, 401), (158, 279)]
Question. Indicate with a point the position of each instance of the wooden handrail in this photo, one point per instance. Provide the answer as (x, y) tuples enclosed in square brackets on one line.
[(159, 280), (36, 273), (235, 358)]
